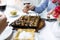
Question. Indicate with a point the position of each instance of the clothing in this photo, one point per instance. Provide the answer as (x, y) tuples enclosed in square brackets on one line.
[(43, 5), (57, 11)]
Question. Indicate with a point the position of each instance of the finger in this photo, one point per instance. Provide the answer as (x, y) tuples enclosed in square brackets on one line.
[(27, 6), (31, 7), (25, 10)]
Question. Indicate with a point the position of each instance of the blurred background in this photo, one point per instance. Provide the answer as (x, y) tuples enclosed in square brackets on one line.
[(19, 3)]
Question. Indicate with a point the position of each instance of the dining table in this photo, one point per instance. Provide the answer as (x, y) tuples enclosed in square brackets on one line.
[(48, 32)]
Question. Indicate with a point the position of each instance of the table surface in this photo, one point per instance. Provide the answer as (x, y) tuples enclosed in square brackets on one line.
[(46, 33)]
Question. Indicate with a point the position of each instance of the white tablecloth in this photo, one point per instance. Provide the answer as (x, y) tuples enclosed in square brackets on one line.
[(44, 34)]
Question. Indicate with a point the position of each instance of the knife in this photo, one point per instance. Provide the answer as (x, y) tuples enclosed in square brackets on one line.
[(50, 20)]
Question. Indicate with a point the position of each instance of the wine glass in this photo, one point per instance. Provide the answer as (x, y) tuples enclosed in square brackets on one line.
[(2, 5)]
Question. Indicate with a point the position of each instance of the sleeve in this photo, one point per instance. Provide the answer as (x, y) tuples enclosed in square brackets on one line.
[(42, 6)]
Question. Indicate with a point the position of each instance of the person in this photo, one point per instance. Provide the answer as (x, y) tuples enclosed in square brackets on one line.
[(56, 12), (45, 4), (3, 22)]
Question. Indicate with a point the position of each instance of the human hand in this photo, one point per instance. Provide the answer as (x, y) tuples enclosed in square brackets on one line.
[(27, 8), (51, 12), (48, 16)]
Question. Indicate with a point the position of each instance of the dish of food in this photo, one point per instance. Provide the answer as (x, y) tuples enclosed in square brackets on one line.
[(24, 34), (28, 22), (13, 13)]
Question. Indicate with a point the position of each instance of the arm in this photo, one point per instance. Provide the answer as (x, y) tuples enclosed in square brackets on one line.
[(41, 7), (51, 12), (3, 22)]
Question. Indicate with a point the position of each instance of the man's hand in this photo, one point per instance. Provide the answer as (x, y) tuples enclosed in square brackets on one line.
[(3, 22), (27, 8)]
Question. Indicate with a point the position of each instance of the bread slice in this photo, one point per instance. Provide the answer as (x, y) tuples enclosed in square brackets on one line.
[(26, 32)]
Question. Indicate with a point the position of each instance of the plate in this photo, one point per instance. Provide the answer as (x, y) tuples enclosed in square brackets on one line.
[(56, 29), (25, 34), (8, 11), (6, 33)]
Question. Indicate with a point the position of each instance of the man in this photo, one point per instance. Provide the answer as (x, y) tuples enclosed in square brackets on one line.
[(3, 22), (45, 4)]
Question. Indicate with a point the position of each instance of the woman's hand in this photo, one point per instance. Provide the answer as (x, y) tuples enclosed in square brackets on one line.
[(51, 12), (48, 16)]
